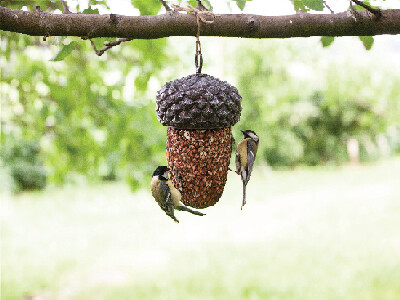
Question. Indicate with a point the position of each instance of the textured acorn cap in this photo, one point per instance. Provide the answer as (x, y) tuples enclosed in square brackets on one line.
[(198, 101)]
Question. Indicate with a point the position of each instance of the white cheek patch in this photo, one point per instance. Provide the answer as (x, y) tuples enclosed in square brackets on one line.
[(253, 136)]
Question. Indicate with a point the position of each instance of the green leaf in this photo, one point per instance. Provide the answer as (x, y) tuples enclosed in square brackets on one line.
[(65, 51), (327, 40), (368, 41), (99, 42), (99, 2), (207, 4), (299, 5), (307, 5), (192, 3), (357, 7), (314, 4), (241, 4), (90, 11), (148, 7)]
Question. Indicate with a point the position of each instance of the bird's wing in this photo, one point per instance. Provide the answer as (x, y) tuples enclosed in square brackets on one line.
[(168, 205), (233, 143), (237, 162), (251, 156), (164, 192)]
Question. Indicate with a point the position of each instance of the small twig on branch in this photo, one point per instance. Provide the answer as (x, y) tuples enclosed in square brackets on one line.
[(108, 45), (328, 7), (65, 6), (166, 6), (200, 6), (376, 11)]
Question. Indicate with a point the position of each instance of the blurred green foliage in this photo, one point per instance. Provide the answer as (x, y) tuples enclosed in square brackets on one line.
[(22, 157), (81, 122), (303, 119), (94, 116)]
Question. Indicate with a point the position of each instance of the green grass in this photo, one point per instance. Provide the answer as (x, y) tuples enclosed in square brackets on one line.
[(305, 234)]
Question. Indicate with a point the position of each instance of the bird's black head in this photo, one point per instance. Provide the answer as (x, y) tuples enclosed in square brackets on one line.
[(161, 172), (250, 134)]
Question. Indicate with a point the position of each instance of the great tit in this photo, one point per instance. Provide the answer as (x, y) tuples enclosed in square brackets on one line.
[(166, 195), (245, 155)]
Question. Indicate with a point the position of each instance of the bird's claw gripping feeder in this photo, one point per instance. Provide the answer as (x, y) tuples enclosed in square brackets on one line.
[(199, 111)]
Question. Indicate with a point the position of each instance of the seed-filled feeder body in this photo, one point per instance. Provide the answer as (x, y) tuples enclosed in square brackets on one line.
[(199, 111)]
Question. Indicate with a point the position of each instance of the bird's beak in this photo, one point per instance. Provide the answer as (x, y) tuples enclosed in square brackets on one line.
[(242, 131)]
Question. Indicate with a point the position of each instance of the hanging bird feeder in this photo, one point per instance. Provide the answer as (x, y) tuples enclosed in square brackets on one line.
[(199, 111)]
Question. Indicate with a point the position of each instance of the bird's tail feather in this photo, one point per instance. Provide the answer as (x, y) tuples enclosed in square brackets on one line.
[(244, 195), (192, 211)]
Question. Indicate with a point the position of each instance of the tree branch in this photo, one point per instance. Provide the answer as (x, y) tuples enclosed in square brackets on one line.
[(231, 25)]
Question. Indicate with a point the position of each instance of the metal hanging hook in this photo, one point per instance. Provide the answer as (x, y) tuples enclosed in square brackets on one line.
[(198, 56)]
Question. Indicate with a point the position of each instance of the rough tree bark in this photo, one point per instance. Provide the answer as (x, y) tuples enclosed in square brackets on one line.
[(39, 23)]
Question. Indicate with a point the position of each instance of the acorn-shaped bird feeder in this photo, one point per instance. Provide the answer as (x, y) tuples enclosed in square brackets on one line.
[(199, 111)]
